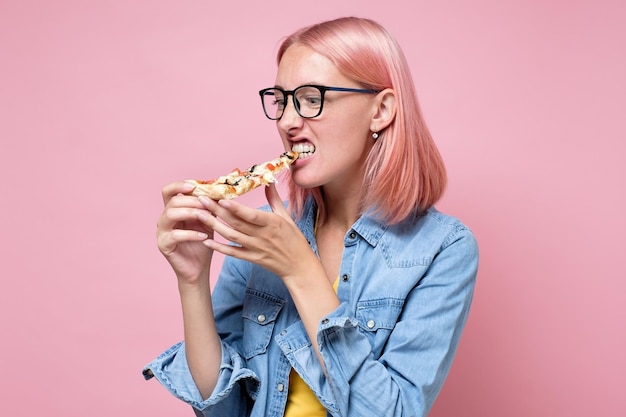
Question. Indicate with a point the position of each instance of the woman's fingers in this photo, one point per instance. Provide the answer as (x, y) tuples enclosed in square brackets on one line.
[(262, 237), (174, 217), (167, 242), (175, 188), (184, 219), (236, 216), (275, 202), (243, 218)]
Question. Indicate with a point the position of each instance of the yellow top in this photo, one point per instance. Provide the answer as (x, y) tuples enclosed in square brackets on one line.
[(301, 402)]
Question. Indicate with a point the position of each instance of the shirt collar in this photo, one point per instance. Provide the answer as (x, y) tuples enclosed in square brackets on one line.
[(367, 226)]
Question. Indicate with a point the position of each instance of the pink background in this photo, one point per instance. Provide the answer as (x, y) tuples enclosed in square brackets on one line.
[(104, 102)]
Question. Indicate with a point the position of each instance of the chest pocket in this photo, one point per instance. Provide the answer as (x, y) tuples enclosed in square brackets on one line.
[(259, 313), (377, 318)]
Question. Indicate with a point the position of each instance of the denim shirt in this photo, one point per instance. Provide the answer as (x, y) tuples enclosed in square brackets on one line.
[(405, 292)]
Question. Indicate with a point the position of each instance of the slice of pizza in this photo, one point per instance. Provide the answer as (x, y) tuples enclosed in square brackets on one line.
[(239, 182)]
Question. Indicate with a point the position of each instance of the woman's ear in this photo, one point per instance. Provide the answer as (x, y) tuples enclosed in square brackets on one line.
[(384, 111)]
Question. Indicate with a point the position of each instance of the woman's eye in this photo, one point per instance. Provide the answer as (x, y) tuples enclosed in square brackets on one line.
[(312, 101)]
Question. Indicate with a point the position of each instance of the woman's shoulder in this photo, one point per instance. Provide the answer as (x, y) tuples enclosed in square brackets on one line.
[(441, 220), (432, 227)]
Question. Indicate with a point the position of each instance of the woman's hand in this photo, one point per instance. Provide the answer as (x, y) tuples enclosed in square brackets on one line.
[(269, 239), (180, 231)]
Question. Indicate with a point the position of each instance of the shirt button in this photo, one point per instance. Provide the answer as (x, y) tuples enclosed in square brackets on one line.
[(345, 277), (352, 235), (280, 387), (261, 318), (325, 321), (370, 324)]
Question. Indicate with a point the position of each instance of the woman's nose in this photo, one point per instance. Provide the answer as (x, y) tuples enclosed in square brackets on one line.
[(290, 117)]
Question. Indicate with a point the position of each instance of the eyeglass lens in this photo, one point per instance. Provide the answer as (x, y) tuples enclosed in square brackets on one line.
[(307, 101)]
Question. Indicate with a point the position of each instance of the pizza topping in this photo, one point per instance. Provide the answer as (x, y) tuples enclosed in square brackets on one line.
[(239, 182)]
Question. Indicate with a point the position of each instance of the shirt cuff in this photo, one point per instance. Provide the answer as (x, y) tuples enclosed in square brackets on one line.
[(171, 370)]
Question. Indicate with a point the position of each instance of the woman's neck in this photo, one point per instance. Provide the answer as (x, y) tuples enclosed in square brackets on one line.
[(342, 207)]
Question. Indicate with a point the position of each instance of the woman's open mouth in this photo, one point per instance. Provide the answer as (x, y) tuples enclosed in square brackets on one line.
[(304, 150)]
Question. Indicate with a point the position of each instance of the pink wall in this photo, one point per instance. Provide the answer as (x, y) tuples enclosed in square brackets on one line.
[(103, 102)]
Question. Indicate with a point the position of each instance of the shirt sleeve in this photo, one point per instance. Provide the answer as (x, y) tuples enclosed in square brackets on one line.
[(237, 386), (407, 375), (235, 382)]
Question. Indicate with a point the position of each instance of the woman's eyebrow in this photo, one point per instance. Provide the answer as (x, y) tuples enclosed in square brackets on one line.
[(301, 85)]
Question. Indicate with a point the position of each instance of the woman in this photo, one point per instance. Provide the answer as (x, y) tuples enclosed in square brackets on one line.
[(351, 300)]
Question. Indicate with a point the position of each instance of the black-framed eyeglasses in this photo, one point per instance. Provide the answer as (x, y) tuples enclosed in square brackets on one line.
[(308, 100)]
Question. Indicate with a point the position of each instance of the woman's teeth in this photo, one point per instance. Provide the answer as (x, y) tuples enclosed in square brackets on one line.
[(304, 151)]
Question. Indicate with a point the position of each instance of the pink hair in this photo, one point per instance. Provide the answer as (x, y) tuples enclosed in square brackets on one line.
[(405, 173)]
